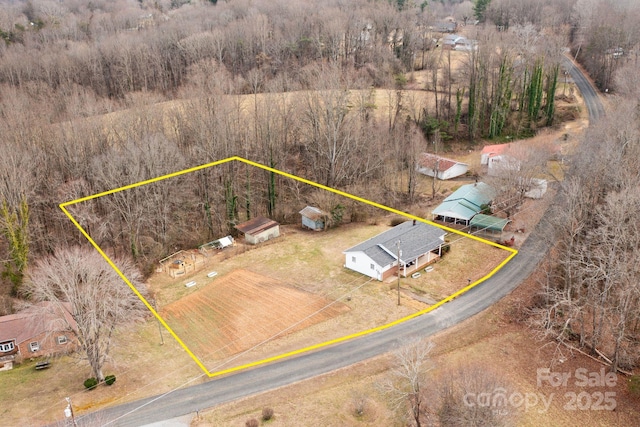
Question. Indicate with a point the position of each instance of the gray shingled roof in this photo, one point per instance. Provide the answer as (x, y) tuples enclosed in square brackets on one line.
[(415, 240)]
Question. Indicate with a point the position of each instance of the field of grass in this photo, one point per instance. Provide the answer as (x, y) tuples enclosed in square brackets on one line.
[(494, 341), (306, 263)]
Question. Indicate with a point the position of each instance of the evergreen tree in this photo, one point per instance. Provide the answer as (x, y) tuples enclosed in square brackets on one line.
[(479, 9)]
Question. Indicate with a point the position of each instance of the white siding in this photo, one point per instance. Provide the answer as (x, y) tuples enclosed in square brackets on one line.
[(454, 171), (268, 234), (360, 262), (502, 164)]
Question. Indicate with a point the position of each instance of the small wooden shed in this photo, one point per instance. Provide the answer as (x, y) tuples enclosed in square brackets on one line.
[(313, 218), (258, 230)]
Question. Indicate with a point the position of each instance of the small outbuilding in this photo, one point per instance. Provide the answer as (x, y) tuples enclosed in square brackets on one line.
[(537, 188), (441, 167), (313, 218), (488, 223), (499, 158), (259, 229), (449, 41)]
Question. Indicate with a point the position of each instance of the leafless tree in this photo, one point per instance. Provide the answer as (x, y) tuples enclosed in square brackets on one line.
[(463, 395), (99, 299), (591, 295), (516, 172), (406, 386)]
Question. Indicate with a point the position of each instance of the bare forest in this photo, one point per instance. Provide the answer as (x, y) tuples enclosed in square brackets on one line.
[(98, 95), (591, 296)]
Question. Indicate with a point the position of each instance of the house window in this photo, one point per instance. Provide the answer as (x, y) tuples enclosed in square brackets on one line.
[(34, 346), (373, 266), (353, 259), (6, 347), (62, 339)]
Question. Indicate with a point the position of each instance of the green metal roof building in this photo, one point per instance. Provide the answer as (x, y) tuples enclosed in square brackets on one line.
[(464, 203), (488, 222)]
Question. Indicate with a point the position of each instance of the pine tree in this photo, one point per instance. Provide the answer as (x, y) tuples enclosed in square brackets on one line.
[(479, 9)]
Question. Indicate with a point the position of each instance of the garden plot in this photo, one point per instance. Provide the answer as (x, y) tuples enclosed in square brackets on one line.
[(242, 310)]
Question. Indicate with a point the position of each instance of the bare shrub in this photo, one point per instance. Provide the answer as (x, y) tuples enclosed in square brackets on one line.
[(252, 422), (359, 402), (405, 388), (267, 414), (458, 390)]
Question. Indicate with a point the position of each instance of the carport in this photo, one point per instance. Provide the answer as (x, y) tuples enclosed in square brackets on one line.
[(488, 223)]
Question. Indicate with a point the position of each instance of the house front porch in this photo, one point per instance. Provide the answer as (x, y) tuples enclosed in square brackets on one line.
[(417, 264)]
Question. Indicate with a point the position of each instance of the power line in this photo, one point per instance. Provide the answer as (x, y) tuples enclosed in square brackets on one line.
[(342, 296)]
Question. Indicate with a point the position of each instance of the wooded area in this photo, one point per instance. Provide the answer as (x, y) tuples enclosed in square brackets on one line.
[(98, 95), (591, 294)]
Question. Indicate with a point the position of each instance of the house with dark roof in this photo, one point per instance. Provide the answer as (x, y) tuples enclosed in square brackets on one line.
[(259, 229), (44, 329), (441, 167), (313, 218), (402, 249), (464, 203)]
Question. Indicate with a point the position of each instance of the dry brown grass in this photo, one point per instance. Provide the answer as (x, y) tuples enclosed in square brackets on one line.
[(316, 261), (493, 340), (144, 367)]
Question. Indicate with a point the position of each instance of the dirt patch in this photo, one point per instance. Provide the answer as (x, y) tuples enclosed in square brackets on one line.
[(228, 322), (498, 340), (243, 310)]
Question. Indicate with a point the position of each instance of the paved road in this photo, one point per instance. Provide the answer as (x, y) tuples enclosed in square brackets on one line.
[(261, 379), (591, 99)]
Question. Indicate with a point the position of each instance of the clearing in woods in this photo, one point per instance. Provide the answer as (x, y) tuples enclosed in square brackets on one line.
[(198, 320), (242, 310)]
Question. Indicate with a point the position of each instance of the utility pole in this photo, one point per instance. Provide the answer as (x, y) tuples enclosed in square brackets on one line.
[(68, 412), (436, 168), (399, 254)]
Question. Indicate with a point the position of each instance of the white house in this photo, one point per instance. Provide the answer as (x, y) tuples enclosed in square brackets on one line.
[(499, 158), (443, 168), (404, 248)]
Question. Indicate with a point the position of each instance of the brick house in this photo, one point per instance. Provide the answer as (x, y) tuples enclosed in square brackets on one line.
[(44, 329)]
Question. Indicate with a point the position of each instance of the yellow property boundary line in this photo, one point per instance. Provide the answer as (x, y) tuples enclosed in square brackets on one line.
[(64, 206)]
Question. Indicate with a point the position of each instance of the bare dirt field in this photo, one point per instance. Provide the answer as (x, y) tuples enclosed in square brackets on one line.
[(242, 310), (497, 341), (295, 276)]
